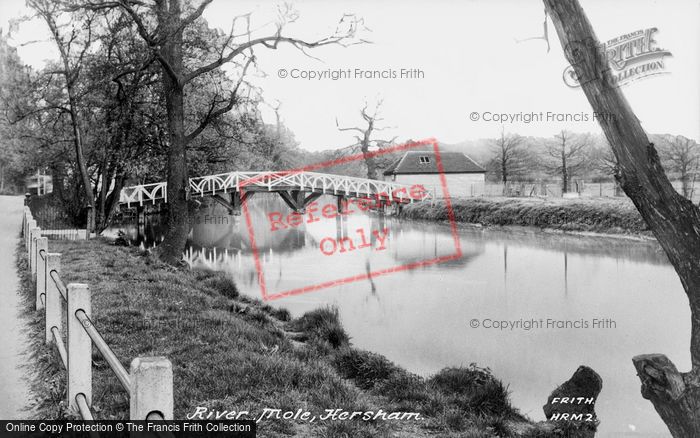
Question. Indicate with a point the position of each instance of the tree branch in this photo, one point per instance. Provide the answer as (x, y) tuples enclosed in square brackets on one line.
[(212, 114), (272, 42)]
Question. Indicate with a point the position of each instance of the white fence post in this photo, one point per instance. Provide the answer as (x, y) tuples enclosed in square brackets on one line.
[(34, 234), (151, 388), (79, 346), (53, 297), (42, 243), (31, 224), (26, 225), (25, 231), (24, 220)]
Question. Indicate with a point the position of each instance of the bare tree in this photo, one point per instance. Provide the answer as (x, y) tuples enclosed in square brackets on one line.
[(568, 156), (162, 25), (673, 219), (681, 156), (603, 159), (509, 156), (364, 139)]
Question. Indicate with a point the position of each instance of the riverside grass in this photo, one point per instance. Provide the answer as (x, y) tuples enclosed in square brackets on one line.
[(609, 216), (230, 352)]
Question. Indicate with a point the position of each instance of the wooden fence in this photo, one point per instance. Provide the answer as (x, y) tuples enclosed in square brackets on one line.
[(531, 189), (149, 382)]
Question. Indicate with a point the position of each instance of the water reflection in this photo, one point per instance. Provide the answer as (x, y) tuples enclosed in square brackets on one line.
[(420, 318)]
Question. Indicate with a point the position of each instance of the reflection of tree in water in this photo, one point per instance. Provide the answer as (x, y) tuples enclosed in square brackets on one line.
[(227, 245), (418, 242), (368, 270), (145, 234), (286, 241), (231, 234), (372, 297), (647, 251)]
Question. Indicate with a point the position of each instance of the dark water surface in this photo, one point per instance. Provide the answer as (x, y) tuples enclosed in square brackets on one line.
[(423, 318)]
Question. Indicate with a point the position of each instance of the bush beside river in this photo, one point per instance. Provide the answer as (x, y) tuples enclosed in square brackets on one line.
[(612, 216), (230, 352)]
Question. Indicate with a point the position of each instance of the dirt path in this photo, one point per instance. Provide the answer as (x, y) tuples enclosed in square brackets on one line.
[(14, 381)]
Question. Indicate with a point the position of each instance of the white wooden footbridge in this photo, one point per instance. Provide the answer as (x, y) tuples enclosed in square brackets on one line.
[(297, 189)]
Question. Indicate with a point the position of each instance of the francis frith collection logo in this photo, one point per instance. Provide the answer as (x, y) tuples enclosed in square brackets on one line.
[(631, 57)]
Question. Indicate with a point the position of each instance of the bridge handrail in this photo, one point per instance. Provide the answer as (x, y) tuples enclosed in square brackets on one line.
[(234, 180), (138, 191), (81, 334), (285, 173)]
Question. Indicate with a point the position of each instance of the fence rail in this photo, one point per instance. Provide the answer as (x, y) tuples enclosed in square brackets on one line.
[(149, 381)]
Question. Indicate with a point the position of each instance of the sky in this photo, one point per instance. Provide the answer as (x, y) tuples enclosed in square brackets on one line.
[(468, 57)]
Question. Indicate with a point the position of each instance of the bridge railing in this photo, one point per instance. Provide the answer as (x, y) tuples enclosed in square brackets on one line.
[(233, 181), (143, 193), (149, 381), (328, 183)]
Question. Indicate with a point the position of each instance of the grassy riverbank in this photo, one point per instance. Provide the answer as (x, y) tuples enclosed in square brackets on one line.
[(610, 216), (234, 353)]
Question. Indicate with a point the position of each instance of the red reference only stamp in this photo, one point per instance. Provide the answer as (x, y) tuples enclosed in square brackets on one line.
[(303, 191)]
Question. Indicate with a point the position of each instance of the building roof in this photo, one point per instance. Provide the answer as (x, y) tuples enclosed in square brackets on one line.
[(417, 162)]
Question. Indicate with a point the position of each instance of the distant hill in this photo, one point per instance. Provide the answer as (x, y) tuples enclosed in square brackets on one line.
[(480, 150)]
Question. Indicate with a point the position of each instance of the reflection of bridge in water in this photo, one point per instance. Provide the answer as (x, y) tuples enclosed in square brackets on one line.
[(222, 247), (296, 188)]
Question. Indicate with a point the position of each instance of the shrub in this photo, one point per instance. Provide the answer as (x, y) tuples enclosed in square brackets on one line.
[(222, 284), (324, 325), (366, 369), (474, 390)]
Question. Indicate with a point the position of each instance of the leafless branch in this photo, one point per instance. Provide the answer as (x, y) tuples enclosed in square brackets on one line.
[(213, 113), (340, 37)]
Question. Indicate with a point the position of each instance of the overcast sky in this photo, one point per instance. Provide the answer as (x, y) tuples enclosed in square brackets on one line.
[(471, 59)]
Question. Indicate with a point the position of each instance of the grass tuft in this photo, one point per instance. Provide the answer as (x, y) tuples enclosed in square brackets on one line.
[(223, 284), (366, 369), (473, 389), (323, 325)]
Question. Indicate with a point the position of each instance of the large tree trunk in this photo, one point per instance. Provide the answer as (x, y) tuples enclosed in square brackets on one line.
[(369, 159), (674, 220), (177, 224), (112, 203), (104, 177), (80, 158), (71, 73), (57, 181)]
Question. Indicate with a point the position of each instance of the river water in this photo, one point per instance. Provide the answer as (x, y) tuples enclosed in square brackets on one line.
[(437, 293)]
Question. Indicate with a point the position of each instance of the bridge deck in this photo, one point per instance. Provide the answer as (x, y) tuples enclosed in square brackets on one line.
[(312, 182)]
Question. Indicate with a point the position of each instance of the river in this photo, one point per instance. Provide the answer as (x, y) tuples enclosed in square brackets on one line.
[(438, 295)]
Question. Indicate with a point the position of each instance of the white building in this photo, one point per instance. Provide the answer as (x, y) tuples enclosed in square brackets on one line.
[(463, 176)]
